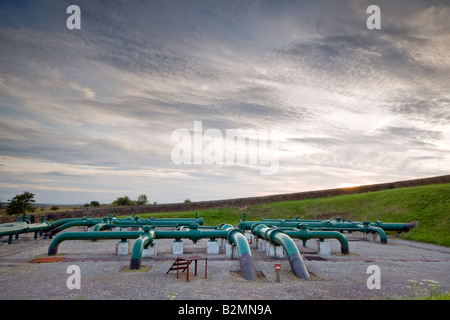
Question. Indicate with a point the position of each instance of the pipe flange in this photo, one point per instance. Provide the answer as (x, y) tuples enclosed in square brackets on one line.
[(254, 227)]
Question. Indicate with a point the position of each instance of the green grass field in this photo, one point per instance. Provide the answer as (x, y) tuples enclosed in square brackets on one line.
[(428, 206)]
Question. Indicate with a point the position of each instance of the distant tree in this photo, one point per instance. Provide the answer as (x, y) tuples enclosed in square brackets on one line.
[(21, 204), (54, 208), (187, 201), (142, 200), (123, 201), (95, 204)]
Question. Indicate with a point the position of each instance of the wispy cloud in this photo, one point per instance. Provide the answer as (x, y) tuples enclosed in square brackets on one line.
[(91, 111)]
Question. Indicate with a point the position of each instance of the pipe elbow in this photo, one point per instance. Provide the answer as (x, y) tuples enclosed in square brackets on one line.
[(380, 231)]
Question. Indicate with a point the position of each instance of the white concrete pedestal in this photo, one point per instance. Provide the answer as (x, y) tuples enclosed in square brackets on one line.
[(261, 244), (273, 251), (177, 247), (150, 252), (231, 251), (212, 247), (123, 248), (324, 248)]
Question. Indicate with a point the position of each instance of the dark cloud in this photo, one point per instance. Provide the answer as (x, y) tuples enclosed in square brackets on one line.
[(424, 107)]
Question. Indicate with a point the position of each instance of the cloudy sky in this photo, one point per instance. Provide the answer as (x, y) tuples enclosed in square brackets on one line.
[(89, 114)]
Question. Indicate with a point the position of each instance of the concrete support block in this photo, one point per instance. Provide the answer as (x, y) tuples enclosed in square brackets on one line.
[(362, 235), (254, 241), (324, 247), (177, 247), (150, 252), (273, 251), (375, 237), (123, 248), (261, 244), (248, 236), (231, 251), (212, 247)]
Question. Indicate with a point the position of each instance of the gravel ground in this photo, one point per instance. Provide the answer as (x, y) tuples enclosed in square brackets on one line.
[(104, 274)]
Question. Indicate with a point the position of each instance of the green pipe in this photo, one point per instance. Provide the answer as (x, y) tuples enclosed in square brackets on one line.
[(277, 237), (75, 223), (172, 224), (399, 227), (193, 234), (57, 223), (236, 237), (100, 226), (111, 222), (306, 234), (151, 222), (226, 231), (89, 235), (268, 221), (25, 228), (199, 221), (233, 235), (142, 242), (365, 227), (325, 225), (380, 231), (385, 226), (12, 224)]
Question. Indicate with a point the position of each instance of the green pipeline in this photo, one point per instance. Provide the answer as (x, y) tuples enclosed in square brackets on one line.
[(277, 237), (71, 223), (112, 222), (89, 235), (12, 224), (192, 234), (236, 237), (305, 234), (325, 225), (144, 240), (24, 228), (233, 235), (399, 227)]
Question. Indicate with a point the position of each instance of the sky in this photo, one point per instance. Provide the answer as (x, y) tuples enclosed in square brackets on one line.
[(90, 114)]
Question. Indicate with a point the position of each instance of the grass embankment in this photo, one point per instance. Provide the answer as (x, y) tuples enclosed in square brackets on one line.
[(429, 206)]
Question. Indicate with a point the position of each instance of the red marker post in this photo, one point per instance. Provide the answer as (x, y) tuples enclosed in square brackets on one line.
[(277, 272)]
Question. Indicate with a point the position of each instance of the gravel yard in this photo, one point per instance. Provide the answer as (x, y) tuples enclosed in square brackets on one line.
[(105, 275)]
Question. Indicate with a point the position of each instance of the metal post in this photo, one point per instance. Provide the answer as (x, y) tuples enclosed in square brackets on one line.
[(277, 272)]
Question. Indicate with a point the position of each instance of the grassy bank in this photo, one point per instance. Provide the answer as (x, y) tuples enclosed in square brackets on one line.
[(429, 206)]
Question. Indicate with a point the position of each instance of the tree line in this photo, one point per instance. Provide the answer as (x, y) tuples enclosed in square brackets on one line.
[(24, 203)]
